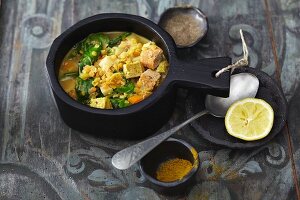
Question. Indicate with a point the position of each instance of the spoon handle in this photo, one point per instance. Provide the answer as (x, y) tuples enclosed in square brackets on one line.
[(130, 155)]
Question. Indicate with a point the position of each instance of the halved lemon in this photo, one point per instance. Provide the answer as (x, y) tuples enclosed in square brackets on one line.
[(249, 119)]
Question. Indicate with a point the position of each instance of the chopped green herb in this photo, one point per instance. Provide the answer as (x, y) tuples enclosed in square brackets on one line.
[(127, 88), (110, 51), (117, 40), (119, 103), (91, 48), (82, 88)]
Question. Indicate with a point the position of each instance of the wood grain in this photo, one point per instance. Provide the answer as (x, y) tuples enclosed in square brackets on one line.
[(278, 71)]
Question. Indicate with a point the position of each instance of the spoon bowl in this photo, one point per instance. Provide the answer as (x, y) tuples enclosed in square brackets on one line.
[(242, 86)]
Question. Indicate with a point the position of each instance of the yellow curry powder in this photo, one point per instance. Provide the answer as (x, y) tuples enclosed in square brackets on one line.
[(173, 170), (194, 153)]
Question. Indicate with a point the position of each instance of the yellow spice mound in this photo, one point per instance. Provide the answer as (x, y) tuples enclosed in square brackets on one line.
[(173, 170)]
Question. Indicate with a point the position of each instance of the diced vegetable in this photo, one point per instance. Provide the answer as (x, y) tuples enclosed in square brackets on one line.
[(135, 99)]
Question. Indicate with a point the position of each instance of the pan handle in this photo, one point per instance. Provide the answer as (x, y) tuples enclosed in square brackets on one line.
[(200, 75)]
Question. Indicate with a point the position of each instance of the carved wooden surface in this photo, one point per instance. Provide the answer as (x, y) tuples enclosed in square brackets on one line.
[(42, 158)]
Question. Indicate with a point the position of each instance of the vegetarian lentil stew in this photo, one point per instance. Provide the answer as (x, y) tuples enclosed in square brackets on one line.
[(112, 70)]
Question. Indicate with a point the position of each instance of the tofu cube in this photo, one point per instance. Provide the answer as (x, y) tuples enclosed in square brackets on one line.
[(102, 102), (151, 56), (133, 70), (106, 63), (148, 80)]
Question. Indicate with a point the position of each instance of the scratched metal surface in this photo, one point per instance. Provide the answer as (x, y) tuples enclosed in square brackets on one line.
[(42, 158)]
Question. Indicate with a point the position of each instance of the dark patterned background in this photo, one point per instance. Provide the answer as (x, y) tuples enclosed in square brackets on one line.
[(42, 158)]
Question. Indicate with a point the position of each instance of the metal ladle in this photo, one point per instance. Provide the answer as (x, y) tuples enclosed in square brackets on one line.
[(242, 86)]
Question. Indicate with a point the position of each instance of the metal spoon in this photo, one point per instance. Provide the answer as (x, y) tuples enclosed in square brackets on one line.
[(242, 85)]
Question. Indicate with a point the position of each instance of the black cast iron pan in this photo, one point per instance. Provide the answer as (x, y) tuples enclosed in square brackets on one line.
[(213, 128), (146, 117)]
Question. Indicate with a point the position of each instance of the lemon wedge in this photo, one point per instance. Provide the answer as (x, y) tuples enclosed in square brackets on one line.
[(249, 119)]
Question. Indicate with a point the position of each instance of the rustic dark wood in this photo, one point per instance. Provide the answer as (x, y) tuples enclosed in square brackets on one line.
[(278, 71), (51, 161)]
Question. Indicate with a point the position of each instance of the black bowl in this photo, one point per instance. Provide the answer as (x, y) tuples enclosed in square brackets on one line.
[(170, 149), (146, 117), (196, 13)]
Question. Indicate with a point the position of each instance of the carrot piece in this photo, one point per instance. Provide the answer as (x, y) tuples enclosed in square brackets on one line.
[(135, 99)]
